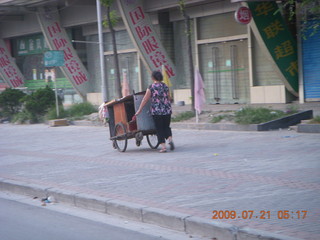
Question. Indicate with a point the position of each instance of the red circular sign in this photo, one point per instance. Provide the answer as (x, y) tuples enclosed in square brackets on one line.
[(243, 15)]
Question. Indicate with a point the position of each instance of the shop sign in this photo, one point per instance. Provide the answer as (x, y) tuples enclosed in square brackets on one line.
[(57, 39), (278, 41), (8, 68), (243, 15), (54, 59), (145, 38), (31, 45)]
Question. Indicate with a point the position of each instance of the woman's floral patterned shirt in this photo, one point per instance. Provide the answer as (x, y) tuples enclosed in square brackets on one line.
[(160, 102)]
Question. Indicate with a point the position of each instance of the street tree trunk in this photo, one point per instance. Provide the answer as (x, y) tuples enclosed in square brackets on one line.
[(189, 47), (115, 54)]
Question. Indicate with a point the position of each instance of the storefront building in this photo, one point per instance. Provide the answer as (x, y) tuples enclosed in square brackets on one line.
[(233, 64)]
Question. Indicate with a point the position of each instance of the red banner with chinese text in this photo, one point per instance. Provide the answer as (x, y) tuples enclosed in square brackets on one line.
[(145, 38), (57, 39), (9, 71)]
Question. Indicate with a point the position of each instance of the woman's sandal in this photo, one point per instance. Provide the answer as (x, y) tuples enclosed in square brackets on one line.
[(163, 150)]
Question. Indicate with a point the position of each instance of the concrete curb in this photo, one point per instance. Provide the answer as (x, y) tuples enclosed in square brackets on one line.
[(286, 122), (215, 126), (308, 128), (302, 128), (164, 218), (86, 123), (281, 123)]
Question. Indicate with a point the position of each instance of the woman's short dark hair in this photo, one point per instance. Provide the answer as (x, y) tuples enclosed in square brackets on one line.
[(157, 75)]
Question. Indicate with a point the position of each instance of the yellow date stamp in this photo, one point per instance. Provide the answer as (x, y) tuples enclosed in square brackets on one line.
[(260, 214)]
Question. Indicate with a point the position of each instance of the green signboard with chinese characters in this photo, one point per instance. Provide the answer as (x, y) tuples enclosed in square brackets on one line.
[(278, 40), (34, 44), (54, 58)]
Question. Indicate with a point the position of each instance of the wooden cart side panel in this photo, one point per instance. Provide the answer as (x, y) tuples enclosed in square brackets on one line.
[(111, 121), (145, 120), (120, 113)]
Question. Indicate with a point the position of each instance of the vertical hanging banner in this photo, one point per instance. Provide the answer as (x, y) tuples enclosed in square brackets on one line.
[(9, 70), (278, 40), (144, 37), (57, 39)]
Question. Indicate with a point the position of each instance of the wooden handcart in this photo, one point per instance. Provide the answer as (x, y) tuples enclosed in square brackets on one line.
[(123, 128)]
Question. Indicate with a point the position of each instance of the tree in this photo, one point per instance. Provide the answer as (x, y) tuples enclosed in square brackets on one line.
[(189, 47), (307, 11), (39, 102), (10, 101), (111, 21)]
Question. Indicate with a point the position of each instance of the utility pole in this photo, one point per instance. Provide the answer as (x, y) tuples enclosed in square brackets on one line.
[(101, 50)]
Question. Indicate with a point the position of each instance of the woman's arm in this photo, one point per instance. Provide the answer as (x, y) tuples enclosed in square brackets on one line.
[(144, 101)]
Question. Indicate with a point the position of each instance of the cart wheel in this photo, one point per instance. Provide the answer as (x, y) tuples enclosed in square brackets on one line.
[(153, 141), (121, 141)]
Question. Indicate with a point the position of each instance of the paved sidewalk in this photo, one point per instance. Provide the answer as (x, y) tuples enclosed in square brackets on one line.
[(264, 172)]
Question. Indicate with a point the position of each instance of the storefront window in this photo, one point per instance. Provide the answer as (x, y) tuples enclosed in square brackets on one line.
[(223, 62), (224, 68), (128, 67), (181, 55), (28, 52), (128, 62), (122, 38)]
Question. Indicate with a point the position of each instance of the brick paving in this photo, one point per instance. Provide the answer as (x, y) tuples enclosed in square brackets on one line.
[(210, 170)]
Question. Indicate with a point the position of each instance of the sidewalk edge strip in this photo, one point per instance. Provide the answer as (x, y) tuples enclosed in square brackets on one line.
[(164, 218)]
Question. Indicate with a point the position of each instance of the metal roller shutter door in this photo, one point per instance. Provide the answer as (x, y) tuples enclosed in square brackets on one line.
[(311, 67)]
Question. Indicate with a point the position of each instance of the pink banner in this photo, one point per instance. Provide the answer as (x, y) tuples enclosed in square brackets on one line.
[(199, 95), (144, 37), (8, 68), (57, 39)]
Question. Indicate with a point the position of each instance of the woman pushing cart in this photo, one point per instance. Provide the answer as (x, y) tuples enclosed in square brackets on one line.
[(142, 114)]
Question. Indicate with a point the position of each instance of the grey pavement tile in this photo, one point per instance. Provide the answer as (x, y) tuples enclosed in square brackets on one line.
[(209, 170)]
